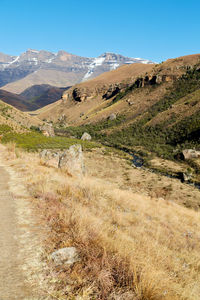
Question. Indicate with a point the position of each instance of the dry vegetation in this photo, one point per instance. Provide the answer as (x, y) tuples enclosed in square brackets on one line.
[(19, 121), (131, 246)]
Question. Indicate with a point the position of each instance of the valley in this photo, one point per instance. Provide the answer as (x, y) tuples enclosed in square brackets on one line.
[(125, 195)]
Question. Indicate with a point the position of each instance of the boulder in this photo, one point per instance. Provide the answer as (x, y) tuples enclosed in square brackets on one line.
[(53, 160), (50, 159), (112, 117), (190, 154), (47, 130), (68, 255), (72, 162), (44, 154), (86, 137), (185, 176)]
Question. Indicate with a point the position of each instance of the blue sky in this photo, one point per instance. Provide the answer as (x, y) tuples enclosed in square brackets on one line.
[(154, 29)]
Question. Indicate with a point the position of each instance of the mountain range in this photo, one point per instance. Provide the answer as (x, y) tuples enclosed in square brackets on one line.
[(60, 69)]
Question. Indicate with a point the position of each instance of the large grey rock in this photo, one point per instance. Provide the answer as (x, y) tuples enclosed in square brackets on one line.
[(72, 161), (190, 154), (86, 137), (68, 255)]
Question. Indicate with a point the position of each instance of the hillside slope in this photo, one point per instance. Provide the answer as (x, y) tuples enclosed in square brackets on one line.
[(15, 100), (155, 111), (32, 98), (92, 95), (12, 119), (137, 86)]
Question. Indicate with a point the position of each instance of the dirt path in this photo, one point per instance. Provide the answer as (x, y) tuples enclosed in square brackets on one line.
[(19, 264)]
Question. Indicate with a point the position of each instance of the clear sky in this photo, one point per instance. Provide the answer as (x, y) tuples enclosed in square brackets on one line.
[(156, 29)]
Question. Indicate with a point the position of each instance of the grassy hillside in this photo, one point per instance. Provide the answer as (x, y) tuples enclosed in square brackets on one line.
[(128, 236), (17, 120)]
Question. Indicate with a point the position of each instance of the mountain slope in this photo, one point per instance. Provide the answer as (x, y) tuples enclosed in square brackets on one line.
[(88, 96), (32, 98), (15, 120), (158, 109), (15, 100), (58, 69)]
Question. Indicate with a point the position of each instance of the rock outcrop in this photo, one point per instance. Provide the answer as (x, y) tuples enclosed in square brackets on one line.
[(190, 154), (72, 161), (47, 130), (112, 117), (50, 158), (81, 93)]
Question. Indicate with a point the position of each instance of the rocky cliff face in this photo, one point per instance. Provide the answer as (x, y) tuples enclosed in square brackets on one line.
[(73, 68)]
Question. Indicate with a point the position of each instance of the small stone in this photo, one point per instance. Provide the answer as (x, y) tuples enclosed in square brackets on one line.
[(112, 117), (68, 255), (86, 137)]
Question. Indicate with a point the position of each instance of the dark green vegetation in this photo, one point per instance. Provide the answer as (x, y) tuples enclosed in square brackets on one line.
[(95, 130), (162, 138)]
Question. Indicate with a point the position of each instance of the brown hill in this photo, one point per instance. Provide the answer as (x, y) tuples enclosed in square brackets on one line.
[(50, 77), (89, 95), (15, 100), (38, 96), (32, 98), (92, 101)]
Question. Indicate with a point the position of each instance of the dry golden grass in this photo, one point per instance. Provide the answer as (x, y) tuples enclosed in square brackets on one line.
[(131, 246)]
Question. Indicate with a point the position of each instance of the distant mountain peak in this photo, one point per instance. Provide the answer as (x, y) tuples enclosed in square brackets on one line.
[(58, 69), (32, 50)]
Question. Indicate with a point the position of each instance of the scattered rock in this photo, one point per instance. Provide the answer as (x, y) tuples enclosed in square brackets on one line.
[(190, 153), (187, 177), (112, 117), (47, 130), (44, 153), (51, 159), (68, 255), (86, 137), (62, 118), (72, 161)]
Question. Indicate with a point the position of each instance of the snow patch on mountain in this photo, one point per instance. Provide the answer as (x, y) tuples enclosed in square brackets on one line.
[(98, 61), (14, 61)]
